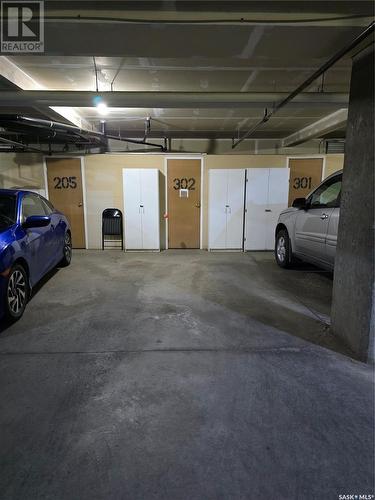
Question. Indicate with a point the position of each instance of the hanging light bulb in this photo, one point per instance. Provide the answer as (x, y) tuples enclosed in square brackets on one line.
[(102, 108), (100, 105)]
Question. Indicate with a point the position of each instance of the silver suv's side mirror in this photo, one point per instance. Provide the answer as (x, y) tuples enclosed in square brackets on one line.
[(300, 203)]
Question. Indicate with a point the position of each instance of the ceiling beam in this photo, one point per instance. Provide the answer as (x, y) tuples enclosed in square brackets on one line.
[(319, 128), (185, 100), (19, 78)]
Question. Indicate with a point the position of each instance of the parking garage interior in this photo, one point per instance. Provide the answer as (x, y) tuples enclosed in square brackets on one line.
[(173, 358)]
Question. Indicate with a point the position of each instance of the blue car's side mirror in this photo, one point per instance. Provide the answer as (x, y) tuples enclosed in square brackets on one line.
[(36, 221)]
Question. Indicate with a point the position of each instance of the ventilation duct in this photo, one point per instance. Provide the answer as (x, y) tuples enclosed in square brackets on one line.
[(334, 146)]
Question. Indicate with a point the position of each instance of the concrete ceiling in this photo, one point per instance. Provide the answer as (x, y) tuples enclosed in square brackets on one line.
[(255, 73), (275, 48)]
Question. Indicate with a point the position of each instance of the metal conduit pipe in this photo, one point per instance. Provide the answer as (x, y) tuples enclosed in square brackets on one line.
[(339, 55), (19, 144), (84, 134), (48, 125)]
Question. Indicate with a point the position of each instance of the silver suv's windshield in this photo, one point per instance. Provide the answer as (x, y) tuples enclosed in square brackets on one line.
[(8, 214), (327, 194)]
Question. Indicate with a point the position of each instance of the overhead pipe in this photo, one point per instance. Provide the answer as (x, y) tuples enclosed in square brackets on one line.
[(339, 55), (234, 19), (54, 127), (117, 72), (27, 147), (135, 141), (103, 130), (147, 128), (81, 132), (19, 144), (84, 134)]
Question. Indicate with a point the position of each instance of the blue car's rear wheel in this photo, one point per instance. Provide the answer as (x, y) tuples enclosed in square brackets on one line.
[(67, 250), (17, 292)]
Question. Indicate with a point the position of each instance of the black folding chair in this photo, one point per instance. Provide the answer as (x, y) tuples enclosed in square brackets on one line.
[(112, 228)]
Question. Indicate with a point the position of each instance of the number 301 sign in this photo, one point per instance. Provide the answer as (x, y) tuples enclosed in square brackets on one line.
[(302, 183)]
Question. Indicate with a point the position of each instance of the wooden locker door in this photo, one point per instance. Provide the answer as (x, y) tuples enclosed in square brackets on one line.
[(65, 192), (305, 175), (278, 187), (184, 207), (236, 208), (217, 201), (256, 206), (150, 208), (132, 208)]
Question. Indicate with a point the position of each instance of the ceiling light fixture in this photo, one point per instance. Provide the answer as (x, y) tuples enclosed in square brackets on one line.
[(102, 108), (100, 105)]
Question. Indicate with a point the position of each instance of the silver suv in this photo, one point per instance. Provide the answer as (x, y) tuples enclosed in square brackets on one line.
[(308, 229)]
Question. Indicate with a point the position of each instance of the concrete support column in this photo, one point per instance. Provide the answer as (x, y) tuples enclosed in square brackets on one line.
[(353, 288)]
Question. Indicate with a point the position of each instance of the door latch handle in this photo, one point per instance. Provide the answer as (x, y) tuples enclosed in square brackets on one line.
[(324, 216), (268, 210), (80, 204)]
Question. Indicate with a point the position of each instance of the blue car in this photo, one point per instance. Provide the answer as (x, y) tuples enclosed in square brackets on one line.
[(34, 238)]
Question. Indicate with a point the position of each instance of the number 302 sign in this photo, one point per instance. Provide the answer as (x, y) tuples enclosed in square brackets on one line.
[(184, 183), (65, 182)]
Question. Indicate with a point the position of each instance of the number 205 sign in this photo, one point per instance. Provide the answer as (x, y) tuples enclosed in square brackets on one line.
[(65, 182)]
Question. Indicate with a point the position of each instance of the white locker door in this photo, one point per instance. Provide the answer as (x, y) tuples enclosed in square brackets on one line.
[(256, 206), (150, 215), (217, 201), (132, 211), (278, 192), (235, 209)]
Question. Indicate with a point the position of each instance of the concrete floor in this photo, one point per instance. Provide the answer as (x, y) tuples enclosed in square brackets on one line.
[(182, 375)]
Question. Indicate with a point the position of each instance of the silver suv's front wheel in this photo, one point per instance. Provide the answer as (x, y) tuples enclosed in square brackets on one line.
[(283, 253)]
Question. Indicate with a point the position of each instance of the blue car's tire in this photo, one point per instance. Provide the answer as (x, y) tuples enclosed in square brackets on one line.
[(67, 250), (16, 293)]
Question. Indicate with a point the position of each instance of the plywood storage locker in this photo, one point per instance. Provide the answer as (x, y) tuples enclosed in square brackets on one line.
[(226, 192), (141, 209), (266, 196)]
